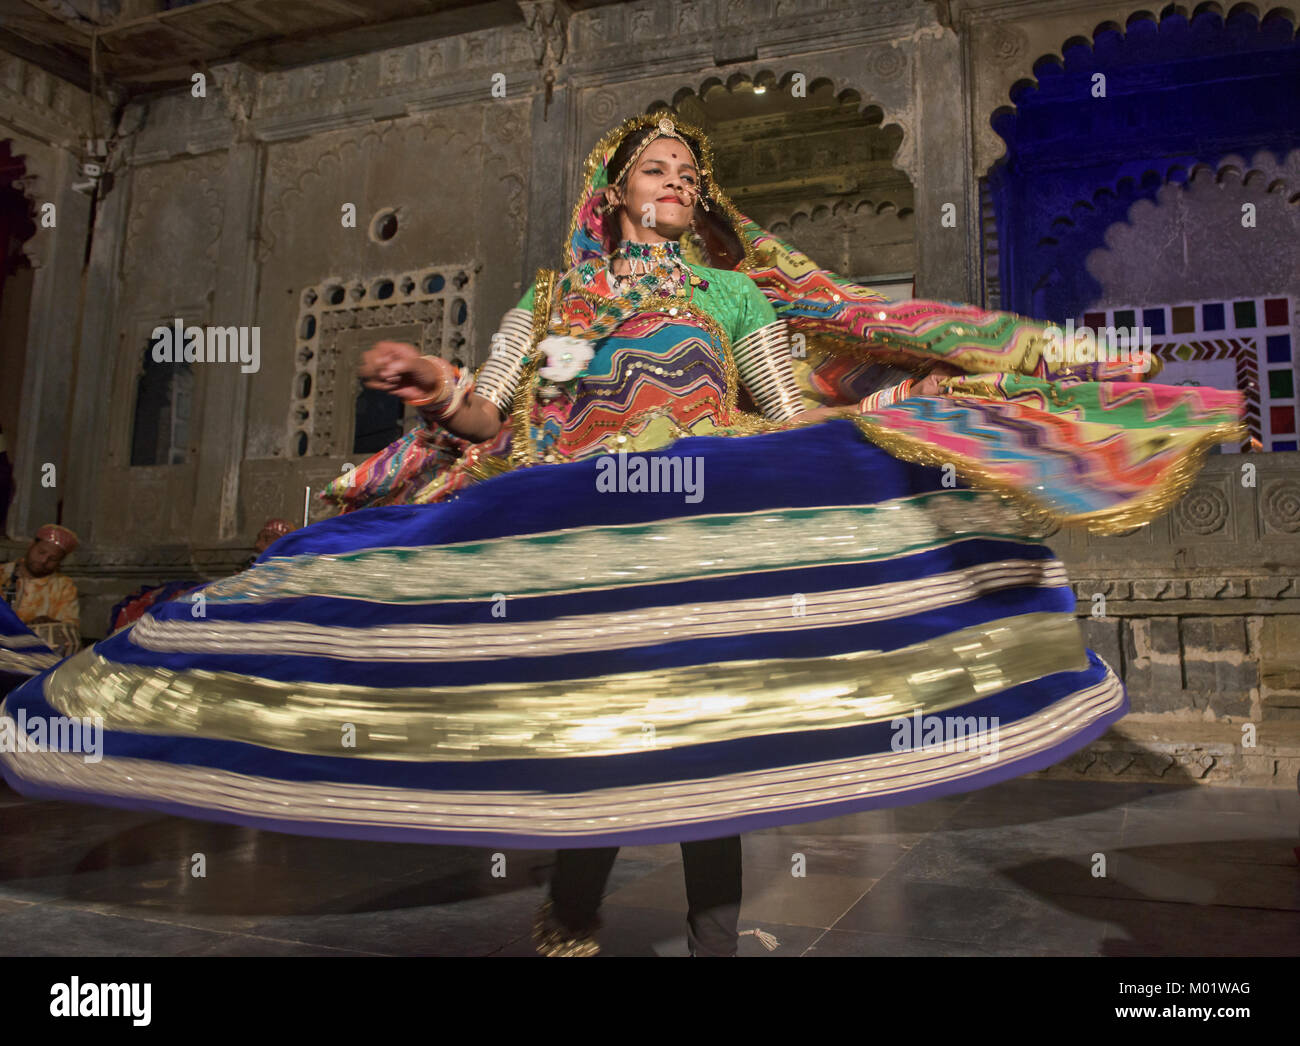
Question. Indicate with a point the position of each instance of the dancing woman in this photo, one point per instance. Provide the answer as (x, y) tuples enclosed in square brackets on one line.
[(540, 634)]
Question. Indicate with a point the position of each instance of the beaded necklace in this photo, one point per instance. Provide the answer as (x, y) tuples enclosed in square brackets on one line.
[(658, 271), (662, 261)]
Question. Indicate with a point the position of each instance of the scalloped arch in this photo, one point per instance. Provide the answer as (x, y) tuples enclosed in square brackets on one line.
[(1228, 168), (842, 89), (841, 210), (1054, 60)]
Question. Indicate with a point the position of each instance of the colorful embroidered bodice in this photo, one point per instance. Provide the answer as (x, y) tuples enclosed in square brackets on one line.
[(665, 372)]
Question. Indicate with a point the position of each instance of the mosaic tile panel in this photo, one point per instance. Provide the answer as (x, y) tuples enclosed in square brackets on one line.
[(1243, 343)]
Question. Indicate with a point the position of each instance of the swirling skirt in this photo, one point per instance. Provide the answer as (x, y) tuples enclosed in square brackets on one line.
[(788, 627), (22, 653)]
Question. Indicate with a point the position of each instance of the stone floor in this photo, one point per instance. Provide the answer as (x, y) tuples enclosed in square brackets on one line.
[(1005, 871)]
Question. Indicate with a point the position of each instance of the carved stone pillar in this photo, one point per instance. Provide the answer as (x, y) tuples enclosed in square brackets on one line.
[(92, 418), (234, 303), (947, 254), (51, 371), (554, 141)]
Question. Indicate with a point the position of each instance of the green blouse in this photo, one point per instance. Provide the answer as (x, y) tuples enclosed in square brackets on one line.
[(732, 299)]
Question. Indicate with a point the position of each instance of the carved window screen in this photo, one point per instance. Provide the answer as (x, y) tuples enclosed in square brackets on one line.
[(435, 306)]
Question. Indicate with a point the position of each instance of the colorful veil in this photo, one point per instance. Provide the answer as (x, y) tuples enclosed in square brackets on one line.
[(1089, 444)]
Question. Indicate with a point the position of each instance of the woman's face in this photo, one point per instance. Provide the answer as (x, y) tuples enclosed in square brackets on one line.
[(661, 192)]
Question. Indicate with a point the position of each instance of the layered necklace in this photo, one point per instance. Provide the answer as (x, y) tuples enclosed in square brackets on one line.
[(656, 268)]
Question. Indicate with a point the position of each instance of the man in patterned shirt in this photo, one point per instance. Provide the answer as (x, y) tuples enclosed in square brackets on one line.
[(33, 585)]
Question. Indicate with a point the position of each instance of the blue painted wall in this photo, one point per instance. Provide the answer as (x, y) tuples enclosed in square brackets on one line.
[(1177, 94)]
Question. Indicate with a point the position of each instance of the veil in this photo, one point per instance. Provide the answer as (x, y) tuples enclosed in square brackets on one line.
[(1090, 445)]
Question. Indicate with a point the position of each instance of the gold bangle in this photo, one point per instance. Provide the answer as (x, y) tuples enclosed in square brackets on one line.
[(435, 396)]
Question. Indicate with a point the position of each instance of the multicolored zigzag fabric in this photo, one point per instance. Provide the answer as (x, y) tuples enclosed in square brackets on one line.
[(1091, 445)]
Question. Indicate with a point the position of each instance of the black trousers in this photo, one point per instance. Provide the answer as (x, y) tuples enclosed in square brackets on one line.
[(712, 869)]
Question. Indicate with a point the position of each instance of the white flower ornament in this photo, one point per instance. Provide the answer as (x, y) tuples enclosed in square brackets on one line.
[(565, 357)]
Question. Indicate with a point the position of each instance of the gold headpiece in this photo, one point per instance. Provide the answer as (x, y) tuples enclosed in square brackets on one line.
[(666, 129)]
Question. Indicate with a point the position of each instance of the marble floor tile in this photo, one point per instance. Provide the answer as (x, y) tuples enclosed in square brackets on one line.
[(768, 895), (820, 854), (633, 931), (1001, 921), (475, 927), (843, 943), (1147, 928), (53, 930), (1003, 871), (974, 863), (1199, 797), (1151, 827)]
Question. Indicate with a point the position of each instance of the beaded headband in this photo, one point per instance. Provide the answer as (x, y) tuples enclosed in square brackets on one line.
[(666, 129)]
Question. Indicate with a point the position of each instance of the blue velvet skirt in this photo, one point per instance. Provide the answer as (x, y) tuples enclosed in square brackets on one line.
[(728, 634), (22, 653)]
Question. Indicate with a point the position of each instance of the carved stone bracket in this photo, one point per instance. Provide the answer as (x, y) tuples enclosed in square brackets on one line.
[(41, 104), (238, 91), (548, 21)]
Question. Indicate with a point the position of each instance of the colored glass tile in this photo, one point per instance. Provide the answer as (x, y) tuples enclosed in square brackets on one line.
[(1279, 348), (1184, 319), (1126, 318), (1155, 319), (1184, 352), (1276, 313), (1284, 444), (1212, 316), (1094, 319), (1281, 384), (1243, 313), (1281, 420)]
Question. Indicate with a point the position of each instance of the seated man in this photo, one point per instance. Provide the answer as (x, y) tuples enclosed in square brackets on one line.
[(134, 606), (33, 586), (272, 531)]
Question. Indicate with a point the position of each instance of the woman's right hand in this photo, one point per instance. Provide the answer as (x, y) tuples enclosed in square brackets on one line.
[(931, 385), (397, 368)]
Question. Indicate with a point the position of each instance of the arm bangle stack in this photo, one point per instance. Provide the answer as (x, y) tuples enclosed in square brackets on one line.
[(500, 376), (435, 411), (763, 360)]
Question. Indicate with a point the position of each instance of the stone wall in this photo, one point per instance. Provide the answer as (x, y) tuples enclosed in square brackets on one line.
[(44, 119), (226, 208)]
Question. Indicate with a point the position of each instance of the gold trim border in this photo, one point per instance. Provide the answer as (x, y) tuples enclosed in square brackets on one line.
[(792, 789), (1118, 519), (603, 715)]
